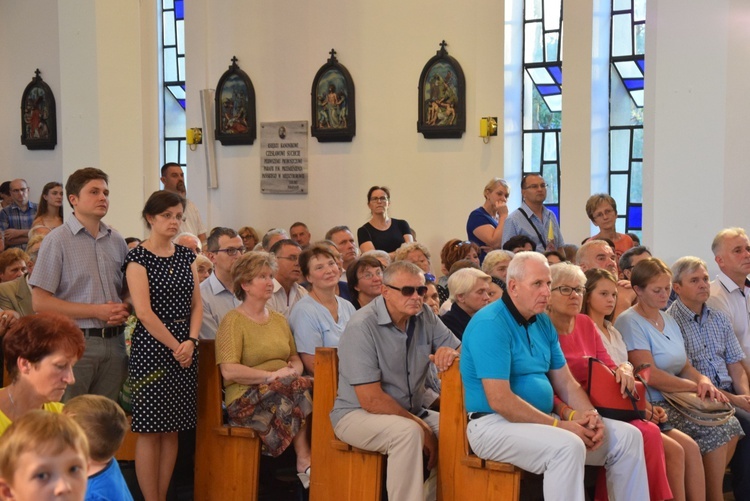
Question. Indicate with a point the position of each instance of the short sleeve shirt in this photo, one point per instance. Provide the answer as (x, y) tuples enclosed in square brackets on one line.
[(389, 240), (500, 344), (372, 349), (313, 325)]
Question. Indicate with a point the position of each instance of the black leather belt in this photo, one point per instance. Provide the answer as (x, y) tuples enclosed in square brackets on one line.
[(104, 332), (477, 415)]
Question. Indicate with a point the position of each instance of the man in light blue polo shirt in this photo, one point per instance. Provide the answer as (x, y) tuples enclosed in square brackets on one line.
[(511, 367)]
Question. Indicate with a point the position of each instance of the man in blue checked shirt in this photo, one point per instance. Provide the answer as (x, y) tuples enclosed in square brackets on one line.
[(714, 351), (16, 219)]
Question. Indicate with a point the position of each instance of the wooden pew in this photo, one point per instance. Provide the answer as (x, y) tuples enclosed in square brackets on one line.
[(226, 457), (339, 471), (461, 474)]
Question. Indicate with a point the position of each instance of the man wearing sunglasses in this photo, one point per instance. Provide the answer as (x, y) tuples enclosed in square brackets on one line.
[(384, 358), (224, 247)]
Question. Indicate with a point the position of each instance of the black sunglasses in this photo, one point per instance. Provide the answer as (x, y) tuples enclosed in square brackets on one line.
[(409, 291)]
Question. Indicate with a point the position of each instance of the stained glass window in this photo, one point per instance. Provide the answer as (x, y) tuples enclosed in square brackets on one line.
[(173, 80), (627, 68), (542, 94)]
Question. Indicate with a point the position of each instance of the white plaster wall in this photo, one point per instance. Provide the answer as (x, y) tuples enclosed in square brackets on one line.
[(28, 40), (384, 45)]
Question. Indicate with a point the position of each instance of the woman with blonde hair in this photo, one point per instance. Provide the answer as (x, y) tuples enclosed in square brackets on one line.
[(469, 292), (485, 224)]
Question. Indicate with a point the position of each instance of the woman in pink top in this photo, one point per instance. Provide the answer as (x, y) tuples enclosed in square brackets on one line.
[(580, 341)]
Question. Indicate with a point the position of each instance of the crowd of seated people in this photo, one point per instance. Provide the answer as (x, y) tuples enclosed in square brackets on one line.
[(270, 300)]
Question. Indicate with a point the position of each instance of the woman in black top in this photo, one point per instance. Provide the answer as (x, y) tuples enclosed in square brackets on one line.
[(382, 232), (469, 290)]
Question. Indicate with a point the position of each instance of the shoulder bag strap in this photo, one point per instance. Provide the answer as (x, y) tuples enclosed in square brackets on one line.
[(541, 239)]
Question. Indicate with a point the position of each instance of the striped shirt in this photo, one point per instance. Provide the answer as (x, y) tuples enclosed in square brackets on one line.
[(709, 341)]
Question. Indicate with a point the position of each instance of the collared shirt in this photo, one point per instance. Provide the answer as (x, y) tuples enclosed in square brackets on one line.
[(15, 218), (193, 222), (517, 224), (281, 301), (373, 349), (709, 341), (499, 343), (313, 326), (217, 302), (728, 297), (78, 267)]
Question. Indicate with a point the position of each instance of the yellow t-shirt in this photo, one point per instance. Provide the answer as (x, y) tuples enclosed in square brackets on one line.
[(266, 346), (55, 407)]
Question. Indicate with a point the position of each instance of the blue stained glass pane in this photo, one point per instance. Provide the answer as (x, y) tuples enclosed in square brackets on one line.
[(549, 90), (169, 36), (633, 83), (641, 64), (635, 217), (556, 72), (179, 9), (556, 210), (182, 103)]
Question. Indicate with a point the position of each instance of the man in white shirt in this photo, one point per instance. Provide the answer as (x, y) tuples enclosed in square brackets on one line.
[(224, 247), (730, 289), (286, 289), (173, 179)]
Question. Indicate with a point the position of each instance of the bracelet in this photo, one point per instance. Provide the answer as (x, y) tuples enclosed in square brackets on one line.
[(555, 422), (194, 341), (570, 416), (562, 411)]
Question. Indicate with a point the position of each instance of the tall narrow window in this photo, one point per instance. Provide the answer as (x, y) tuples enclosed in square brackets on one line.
[(626, 112), (173, 80), (542, 94)]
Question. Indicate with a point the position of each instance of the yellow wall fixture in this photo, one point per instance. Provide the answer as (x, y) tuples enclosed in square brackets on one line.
[(487, 128), (194, 137)]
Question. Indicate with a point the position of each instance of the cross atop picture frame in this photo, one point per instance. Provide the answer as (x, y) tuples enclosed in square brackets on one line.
[(442, 97), (38, 115), (332, 102), (235, 107)]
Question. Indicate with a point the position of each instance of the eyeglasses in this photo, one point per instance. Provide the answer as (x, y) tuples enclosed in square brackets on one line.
[(535, 186), (379, 199), (408, 290), (370, 275), (291, 259), (567, 291), (169, 215), (232, 251), (605, 212)]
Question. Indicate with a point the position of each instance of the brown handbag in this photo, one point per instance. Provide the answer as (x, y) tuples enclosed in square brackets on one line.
[(697, 410)]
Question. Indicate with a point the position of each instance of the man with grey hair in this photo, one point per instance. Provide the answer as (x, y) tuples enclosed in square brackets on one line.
[(343, 238), (384, 358), (300, 234), (286, 288), (190, 241), (512, 366), (714, 351), (271, 237), (731, 289), (17, 218)]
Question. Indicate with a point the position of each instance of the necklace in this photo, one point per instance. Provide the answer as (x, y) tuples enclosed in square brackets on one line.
[(10, 397), (331, 307), (643, 314)]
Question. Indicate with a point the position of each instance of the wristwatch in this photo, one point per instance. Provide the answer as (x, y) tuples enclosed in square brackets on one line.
[(193, 340)]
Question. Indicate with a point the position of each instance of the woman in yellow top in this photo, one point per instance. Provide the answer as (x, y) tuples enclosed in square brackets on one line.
[(40, 352), (262, 371)]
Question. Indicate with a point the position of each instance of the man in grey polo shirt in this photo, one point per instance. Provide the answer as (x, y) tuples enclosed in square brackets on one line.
[(384, 358), (79, 273)]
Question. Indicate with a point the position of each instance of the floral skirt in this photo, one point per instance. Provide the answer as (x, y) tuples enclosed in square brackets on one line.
[(708, 438), (276, 411)]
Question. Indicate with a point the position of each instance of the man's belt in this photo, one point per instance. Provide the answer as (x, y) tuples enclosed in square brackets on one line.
[(104, 332), (477, 415)]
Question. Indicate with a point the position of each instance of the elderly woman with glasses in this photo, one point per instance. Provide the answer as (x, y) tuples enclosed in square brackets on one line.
[(579, 340), (382, 232), (319, 318), (262, 371), (602, 211), (365, 279), (485, 224), (249, 237)]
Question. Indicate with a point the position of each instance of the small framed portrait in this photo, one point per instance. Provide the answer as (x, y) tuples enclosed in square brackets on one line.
[(333, 111), (38, 115), (235, 107), (442, 97)]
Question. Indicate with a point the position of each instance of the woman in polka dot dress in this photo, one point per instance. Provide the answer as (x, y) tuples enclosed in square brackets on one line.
[(163, 358)]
